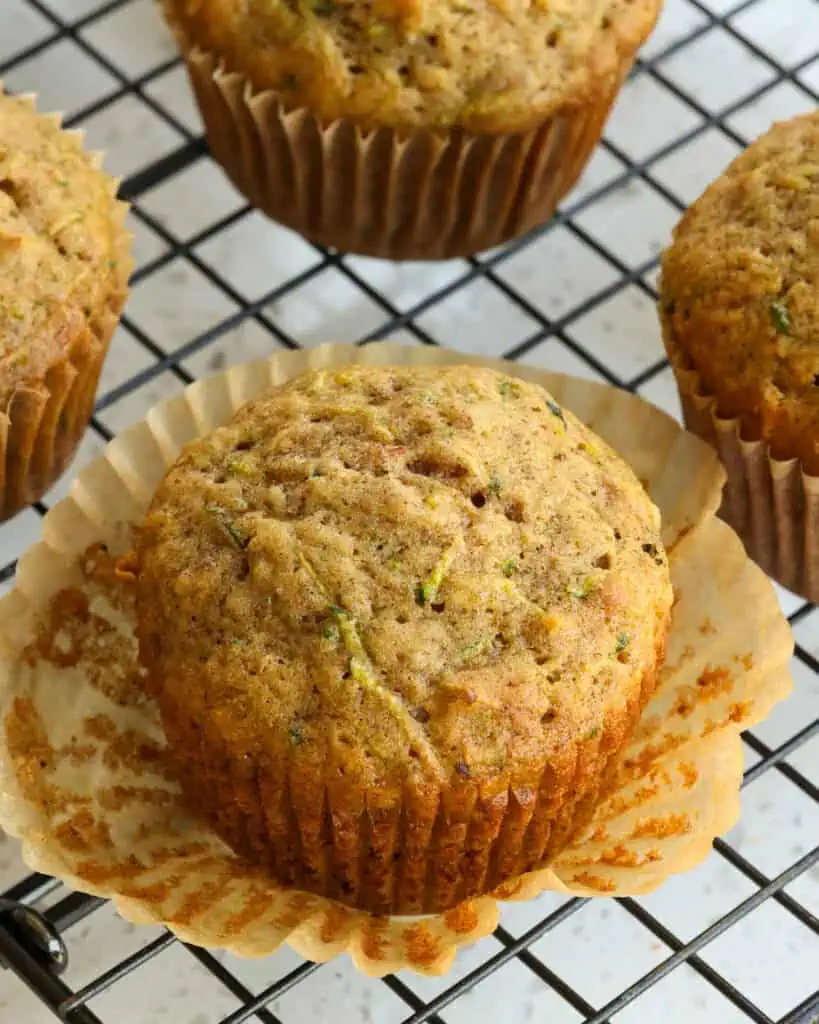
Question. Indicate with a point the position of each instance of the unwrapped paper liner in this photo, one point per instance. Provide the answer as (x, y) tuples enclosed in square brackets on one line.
[(415, 194), (773, 504), (44, 417), (84, 779)]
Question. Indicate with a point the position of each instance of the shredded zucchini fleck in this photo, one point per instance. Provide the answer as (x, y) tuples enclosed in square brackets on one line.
[(474, 650), (235, 535), (428, 590), (584, 589), (781, 318)]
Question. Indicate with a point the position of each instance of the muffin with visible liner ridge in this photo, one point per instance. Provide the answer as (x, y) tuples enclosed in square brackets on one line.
[(400, 622), (740, 319), (419, 129), (64, 267)]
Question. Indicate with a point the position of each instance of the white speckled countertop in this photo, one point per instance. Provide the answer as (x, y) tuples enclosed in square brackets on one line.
[(698, 67)]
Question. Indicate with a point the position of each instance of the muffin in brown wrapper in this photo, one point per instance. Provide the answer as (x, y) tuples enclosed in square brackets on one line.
[(772, 503), (86, 777), (741, 327), (399, 622), (382, 193), (392, 145), (64, 267)]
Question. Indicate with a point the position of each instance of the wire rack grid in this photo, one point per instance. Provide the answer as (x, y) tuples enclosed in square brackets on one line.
[(737, 940)]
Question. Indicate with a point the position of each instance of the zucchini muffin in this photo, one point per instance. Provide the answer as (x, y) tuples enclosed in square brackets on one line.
[(408, 129), (741, 322), (400, 622), (64, 266)]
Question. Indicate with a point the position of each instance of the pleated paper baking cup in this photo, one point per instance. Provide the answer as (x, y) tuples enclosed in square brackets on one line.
[(43, 418), (773, 504), (411, 194), (85, 777)]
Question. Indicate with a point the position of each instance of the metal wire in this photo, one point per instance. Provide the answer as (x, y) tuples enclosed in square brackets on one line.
[(72, 1006)]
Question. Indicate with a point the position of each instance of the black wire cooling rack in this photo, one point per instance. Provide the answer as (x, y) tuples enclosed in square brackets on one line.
[(38, 917)]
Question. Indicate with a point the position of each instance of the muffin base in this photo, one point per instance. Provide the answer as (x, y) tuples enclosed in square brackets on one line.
[(773, 504), (404, 852), (402, 195), (45, 418)]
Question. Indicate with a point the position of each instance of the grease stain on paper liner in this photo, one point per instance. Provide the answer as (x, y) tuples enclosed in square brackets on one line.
[(84, 776)]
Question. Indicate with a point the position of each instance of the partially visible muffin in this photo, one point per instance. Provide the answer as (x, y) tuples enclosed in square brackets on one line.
[(64, 266), (740, 315), (408, 129), (399, 622), (740, 290)]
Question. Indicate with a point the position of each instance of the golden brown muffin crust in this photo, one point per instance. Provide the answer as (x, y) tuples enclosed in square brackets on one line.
[(445, 558), (740, 288), (489, 65), (381, 581), (63, 252)]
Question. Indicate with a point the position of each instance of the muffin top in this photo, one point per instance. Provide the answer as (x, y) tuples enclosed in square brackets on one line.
[(494, 65), (63, 251), (418, 572), (740, 287)]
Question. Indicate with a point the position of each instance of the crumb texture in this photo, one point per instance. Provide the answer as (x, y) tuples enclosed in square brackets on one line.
[(494, 64), (376, 582)]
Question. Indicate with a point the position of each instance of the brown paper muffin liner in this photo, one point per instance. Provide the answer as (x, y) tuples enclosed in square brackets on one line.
[(85, 781), (410, 195), (773, 504), (45, 417)]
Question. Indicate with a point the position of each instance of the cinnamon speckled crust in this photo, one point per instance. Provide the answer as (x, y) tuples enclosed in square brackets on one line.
[(399, 622), (740, 285), (487, 65), (64, 265)]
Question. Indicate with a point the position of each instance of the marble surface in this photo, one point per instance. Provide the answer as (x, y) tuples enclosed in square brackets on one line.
[(727, 73)]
